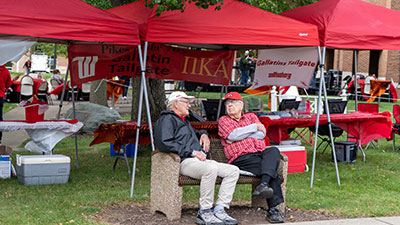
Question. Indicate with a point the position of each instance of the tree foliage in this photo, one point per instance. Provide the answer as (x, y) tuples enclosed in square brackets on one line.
[(274, 6), (48, 49)]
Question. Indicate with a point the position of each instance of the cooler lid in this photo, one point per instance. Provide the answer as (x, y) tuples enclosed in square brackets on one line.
[(285, 148), (5, 158), (42, 159)]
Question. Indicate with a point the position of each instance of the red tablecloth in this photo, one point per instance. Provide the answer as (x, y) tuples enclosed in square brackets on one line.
[(123, 133), (16, 85), (364, 126), (58, 89)]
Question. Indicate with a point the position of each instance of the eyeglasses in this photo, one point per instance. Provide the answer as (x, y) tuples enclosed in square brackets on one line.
[(184, 101), (232, 101)]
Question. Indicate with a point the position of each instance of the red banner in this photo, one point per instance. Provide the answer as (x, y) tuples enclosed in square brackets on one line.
[(94, 62)]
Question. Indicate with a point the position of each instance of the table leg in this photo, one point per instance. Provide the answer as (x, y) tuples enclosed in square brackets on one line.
[(361, 149), (125, 157)]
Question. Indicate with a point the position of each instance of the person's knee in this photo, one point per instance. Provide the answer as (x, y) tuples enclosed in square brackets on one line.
[(235, 171), (274, 152), (211, 170)]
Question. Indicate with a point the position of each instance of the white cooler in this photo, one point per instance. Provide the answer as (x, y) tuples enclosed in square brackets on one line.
[(43, 169)]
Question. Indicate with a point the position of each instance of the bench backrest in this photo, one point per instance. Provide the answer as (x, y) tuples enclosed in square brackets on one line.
[(217, 150)]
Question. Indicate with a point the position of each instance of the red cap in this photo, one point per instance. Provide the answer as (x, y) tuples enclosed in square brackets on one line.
[(233, 95)]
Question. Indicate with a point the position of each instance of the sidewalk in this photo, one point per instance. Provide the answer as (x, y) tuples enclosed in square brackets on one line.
[(394, 220), (15, 138)]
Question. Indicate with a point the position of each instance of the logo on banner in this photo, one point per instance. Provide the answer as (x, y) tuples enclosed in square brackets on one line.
[(86, 66)]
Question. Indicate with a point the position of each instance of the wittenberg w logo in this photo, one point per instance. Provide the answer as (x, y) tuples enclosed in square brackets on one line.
[(86, 65)]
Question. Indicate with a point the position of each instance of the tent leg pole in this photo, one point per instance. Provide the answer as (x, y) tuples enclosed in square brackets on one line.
[(220, 101), (142, 83), (355, 78), (329, 117), (76, 136), (322, 87), (317, 121), (146, 97), (63, 94)]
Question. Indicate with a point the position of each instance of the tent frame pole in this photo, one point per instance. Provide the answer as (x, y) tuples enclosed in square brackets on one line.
[(322, 86), (73, 111), (143, 93), (63, 94), (355, 52)]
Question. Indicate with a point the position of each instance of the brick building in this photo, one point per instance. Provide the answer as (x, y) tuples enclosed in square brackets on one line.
[(383, 63)]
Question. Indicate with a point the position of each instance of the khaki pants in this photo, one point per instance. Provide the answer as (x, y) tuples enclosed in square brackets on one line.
[(207, 171)]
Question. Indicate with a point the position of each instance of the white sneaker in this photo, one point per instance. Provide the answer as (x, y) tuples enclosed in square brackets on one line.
[(223, 216), (208, 218), (124, 97)]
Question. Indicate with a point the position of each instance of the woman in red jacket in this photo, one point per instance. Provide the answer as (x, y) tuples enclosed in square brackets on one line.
[(5, 83)]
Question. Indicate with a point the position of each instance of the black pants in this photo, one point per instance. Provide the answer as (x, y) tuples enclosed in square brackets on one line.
[(127, 82), (1, 114), (264, 163)]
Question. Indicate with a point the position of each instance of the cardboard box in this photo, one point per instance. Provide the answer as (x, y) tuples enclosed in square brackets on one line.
[(297, 157), (130, 150), (43, 169), (5, 150)]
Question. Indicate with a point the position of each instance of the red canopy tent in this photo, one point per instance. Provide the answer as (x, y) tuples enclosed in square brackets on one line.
[(63, 21), (236, 26), (349, 24)]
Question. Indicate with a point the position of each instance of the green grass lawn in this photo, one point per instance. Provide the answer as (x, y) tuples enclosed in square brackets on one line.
[(367, 188)]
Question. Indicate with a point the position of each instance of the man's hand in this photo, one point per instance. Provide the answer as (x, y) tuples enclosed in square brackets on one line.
[(261, 127), (200, 155), (205, 142)]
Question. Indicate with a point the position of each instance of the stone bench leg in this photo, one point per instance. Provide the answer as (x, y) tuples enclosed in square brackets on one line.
[(166, 194)]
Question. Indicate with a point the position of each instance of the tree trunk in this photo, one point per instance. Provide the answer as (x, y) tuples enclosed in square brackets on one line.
[(156, 96), (98, 92)]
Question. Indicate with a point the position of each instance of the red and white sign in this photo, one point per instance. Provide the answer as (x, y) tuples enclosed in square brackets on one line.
[(94, 62), (285, 67)]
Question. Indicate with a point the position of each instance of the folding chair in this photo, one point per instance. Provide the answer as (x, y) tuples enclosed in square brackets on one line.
[(70, 91), (210, 107), (42, 92), (396, 126), (26, 87), (85, 91), (54, 83), (368, 108), (336, 106)]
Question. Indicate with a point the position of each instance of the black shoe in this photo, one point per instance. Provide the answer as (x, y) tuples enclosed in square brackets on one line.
[(274, 216), (264, 190)]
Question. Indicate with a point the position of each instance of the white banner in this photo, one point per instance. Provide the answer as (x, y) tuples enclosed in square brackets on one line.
[(285, 67)]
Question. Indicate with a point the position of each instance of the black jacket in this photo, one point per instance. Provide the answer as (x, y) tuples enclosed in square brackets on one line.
[(172, 134)]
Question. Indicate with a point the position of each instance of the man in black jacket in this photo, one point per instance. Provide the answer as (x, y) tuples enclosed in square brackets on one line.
[(173, 133)]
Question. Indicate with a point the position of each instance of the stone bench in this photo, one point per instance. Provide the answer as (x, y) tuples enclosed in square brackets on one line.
[(166, 182)]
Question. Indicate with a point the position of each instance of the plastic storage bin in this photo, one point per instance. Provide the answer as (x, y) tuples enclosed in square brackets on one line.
[(43, 169), (297, 157), (130, 150)]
